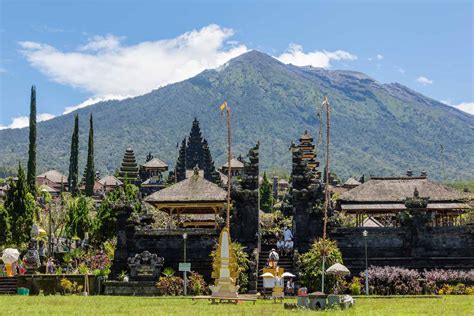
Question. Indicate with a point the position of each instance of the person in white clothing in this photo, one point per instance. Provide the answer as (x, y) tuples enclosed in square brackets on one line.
[(287, 234)]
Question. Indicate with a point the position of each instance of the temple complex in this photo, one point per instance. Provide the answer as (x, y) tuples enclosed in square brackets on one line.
[(411, 221)]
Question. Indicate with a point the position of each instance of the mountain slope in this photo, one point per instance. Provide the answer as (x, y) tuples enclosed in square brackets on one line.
[(381, 129)]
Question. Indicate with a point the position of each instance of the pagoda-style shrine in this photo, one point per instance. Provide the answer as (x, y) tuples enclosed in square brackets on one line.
[(195, 152), (129, 169), (151, 173), (307, 149)]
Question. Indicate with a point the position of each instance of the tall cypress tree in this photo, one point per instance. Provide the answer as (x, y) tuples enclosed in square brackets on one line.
[(21, 207), (90, 172), (210, 172), (5, 226), (73, 178), (181, 162), (266, 198), (31, 176)]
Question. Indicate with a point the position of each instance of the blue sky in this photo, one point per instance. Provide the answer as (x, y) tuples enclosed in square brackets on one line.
[(76, 51)]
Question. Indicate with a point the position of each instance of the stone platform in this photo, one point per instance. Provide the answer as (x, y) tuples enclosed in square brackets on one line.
[(131, 288)]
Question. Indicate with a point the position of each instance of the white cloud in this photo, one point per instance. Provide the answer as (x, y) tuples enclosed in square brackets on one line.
[(91, 101), (296, 56), (106, 67), (24, 121), (109, 42), (467, 107), (379, 57), (424, 81), (400, 69)]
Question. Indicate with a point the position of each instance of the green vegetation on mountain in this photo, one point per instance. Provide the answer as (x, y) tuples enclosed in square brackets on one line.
[(377, 129)]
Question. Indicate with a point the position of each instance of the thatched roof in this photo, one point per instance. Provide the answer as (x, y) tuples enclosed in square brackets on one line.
[(234, 163), (397, 189), (48, 189), (351, 181), (193, 189), (110, 181), (155, 163), (54, 176)]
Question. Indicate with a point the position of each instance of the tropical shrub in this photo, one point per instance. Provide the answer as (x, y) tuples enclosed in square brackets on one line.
[(196, 284), (70, 287), (400, 281), (458, 289), (355, 286), (393, 281), (310, 264), (273, 223), (172, 285)]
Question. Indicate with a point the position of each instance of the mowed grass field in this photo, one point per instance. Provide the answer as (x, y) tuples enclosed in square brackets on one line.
[(113, 305)]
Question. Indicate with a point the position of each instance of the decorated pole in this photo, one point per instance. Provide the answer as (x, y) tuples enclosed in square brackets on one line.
[(225, 107), (326, 190)]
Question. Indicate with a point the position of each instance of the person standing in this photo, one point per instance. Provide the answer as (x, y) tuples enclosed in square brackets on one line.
[(287, 234)]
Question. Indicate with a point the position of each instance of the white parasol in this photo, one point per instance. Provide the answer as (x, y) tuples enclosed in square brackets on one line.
[(338, 269), (288, 275), (10, 255), (267, 274)]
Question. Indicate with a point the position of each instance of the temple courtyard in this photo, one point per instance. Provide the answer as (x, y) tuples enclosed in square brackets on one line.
[(107, 305)]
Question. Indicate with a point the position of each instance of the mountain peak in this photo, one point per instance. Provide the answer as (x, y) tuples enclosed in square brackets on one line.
[(254, 56)]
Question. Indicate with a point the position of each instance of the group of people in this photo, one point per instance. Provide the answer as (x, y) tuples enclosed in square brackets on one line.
[(285, 245)]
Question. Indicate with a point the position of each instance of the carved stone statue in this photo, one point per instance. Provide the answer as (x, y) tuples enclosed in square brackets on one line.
[(31, 259), (145, 266)]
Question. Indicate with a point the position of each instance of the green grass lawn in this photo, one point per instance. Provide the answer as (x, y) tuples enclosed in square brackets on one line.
[(113, 305)]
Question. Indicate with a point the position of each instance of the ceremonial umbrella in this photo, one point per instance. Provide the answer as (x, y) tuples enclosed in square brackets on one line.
[(10, 255), (288, 274), (338, 269), (267, 274)]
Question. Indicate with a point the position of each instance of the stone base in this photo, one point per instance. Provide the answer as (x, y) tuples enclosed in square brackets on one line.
[(132, 288)]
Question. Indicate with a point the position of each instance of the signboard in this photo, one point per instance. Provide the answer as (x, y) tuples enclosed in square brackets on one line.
[(185, 266)]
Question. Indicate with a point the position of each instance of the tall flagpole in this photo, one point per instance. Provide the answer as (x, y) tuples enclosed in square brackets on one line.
[(326, 191), (226, 107), (229, 173)]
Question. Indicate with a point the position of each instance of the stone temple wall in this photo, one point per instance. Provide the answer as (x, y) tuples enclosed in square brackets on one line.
[(427, 248), (170, 246)]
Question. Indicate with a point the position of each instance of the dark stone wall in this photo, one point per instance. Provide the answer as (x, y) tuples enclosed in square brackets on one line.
[(431, 247), (166, 244), (170, 245)]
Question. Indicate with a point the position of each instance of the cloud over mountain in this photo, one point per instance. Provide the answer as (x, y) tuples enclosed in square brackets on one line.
[(105, 66)]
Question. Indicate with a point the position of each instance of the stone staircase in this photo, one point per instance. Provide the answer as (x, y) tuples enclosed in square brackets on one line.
[(285, 262), (8, 285)]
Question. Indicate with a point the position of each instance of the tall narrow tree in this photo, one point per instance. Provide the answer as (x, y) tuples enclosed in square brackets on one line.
[(31, 175), (90, 172), (181, 162), (210, 172), (73, 178), (21, 207), (266, 198)]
